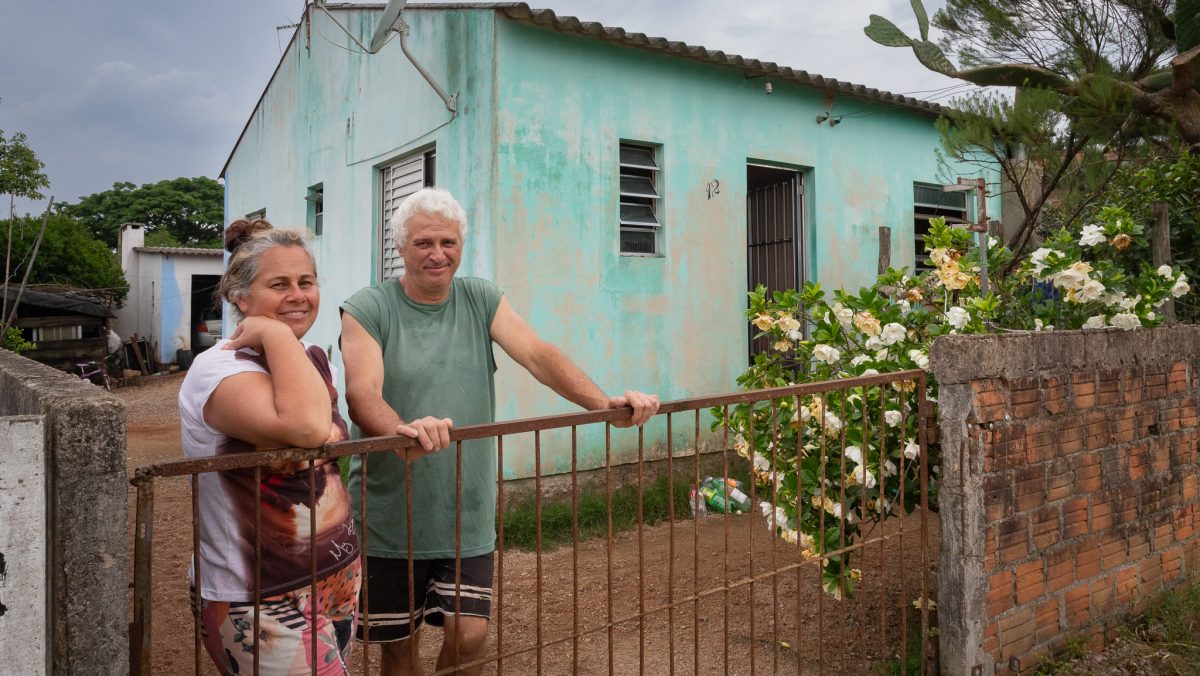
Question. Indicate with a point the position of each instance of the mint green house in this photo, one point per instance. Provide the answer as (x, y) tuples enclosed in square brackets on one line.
[(624, 191)]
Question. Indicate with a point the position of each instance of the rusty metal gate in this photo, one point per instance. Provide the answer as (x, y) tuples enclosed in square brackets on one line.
[(774, 242), (695, 594)]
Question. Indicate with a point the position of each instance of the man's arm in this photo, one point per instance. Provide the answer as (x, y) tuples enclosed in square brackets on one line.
[(363, 359), (553, 369)]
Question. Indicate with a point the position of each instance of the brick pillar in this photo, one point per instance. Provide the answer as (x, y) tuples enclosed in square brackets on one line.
[(1069, 487)]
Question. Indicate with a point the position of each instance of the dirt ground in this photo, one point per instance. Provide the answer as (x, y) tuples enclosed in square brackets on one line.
[(779, 623)]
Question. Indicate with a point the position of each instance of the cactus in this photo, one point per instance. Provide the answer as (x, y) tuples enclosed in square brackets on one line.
[(931, 56), (923, 18), (886, 33)]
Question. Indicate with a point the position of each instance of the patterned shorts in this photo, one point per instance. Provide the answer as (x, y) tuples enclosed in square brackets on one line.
[(286, 627)]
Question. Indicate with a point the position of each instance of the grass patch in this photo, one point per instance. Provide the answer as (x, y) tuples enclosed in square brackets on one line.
[(1164, 640), (520, 521)]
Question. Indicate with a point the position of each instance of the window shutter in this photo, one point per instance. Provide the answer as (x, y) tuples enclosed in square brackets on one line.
[(398, 181)]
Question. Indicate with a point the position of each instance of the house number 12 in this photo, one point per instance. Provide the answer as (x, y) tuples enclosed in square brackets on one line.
[(713, 188)]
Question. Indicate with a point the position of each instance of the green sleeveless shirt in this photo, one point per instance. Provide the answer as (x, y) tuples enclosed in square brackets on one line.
[(437, 361)]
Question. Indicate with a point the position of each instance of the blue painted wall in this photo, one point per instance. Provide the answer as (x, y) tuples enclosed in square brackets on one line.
[(533, 159)]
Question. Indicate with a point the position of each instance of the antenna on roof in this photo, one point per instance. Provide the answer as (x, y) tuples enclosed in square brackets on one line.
[(390, 14)]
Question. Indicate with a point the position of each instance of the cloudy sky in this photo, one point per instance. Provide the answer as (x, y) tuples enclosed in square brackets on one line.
[(139, 91)]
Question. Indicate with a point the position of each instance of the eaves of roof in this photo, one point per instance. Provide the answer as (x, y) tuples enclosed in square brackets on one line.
[(179, 250), (522, 12)]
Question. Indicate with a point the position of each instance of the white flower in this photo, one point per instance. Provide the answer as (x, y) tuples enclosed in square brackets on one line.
[(1092, 235), (853, 454), (993, 242), (905, 306), (892, 418), (833, 424), (1129, 303), (1039, 325), (862, 475), (957, 317), (873, 343), (1038, 258), (844, 314), (1072, 277), (1096, 322), (1112, 297), (893, 333), (1126, 320), (1091, 290), (1181, 286), (889, 468), (827, 354), (919, 358), (860, 359), (912, 450), (795, 335), (870, 372), (1165, 271), (761, 463), (1150, 315)]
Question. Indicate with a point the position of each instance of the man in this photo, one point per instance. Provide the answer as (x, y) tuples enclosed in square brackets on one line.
[(418, 358)]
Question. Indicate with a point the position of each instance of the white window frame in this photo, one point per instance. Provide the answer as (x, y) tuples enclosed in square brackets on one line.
[(315, 199)]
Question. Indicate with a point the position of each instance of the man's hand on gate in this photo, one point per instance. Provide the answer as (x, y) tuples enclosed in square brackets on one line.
[(644, 407), (432, 433)]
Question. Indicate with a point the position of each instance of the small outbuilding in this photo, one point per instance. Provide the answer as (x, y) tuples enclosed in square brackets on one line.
[(68, 327)]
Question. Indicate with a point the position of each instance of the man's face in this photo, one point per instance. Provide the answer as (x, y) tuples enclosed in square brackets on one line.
[(431, 253)]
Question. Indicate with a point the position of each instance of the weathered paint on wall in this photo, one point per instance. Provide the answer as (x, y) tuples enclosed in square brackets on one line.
[(533, 158), (24, 642)]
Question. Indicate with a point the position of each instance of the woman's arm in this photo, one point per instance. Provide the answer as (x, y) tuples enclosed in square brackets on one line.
[(289, 407)]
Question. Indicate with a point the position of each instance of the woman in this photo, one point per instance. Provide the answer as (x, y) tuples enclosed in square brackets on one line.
[(266, 388)]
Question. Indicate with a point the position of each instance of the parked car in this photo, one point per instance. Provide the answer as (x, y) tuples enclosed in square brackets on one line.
[(208, 331)]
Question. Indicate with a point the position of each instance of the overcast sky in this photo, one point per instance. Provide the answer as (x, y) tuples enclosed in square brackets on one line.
[(141, 90)]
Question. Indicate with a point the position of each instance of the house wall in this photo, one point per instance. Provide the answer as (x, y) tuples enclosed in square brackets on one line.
[(334, 115), (672, 324), (160, 301), (533, 158)]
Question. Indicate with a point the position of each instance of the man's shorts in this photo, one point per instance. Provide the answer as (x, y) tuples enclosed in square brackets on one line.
[(386, 594)]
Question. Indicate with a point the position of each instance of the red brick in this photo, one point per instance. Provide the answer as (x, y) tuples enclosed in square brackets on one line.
[(1087, 472), (1083, 394), (1060, 570), (1016, 634), (1160, 455), (1177, 379), (1102, 515), (1103, 594), (1164, 531), (1076, 601), (1182, 524), (1172, 564), (997, 497), (1012, 538), (1112, 550), (1030, 487), (1139, 546), (1046, 530), (1087, 558), (1046, 621), (1109, 391), (1131, 386), (1060, 480), (1126, 585), (1054, 395), (1000, 593), (1030, 582), (1150, 574), (1074, 517)]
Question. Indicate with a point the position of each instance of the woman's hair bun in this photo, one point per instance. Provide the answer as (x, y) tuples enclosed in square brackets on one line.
[(241, 231)]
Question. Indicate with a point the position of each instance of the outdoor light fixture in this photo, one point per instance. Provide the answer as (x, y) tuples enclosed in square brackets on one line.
[(835, 121), (821, 117), (768, 89)]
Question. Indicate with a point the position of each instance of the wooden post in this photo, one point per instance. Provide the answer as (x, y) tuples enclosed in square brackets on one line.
[(1160, 252), (885, 248)]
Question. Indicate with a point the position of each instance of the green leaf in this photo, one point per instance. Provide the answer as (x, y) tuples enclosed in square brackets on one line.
[(931, 56), (886, 33), (922, 18)]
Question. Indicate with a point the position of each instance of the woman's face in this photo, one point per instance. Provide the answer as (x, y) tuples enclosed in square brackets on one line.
[(285, 289)]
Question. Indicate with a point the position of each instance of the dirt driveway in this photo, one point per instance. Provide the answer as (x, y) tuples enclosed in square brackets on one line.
[(738, 624)]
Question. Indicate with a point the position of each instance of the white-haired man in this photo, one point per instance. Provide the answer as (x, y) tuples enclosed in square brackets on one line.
[(418, 357)]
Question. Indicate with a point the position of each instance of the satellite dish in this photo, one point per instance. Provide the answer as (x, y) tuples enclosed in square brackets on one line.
[(390, 14)]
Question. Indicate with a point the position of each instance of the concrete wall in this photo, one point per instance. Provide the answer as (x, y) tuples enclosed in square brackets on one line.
[(533, 158), (84, 494), (23, 637), (1069, 492), (159, 306)]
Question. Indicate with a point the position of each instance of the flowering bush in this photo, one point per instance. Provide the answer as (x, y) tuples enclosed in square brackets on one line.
[(830, 466)]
